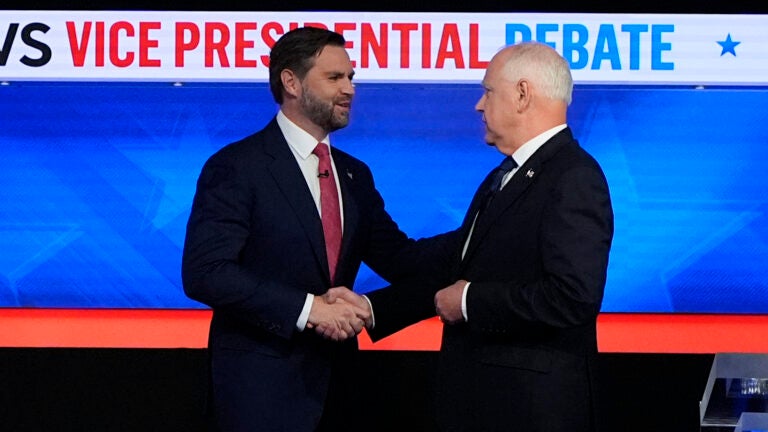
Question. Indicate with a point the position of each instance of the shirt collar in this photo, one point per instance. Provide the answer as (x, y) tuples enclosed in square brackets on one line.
[(300, 140), (525, 151)]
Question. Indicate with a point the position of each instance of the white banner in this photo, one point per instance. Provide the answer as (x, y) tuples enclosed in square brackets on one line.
[(391, 47)]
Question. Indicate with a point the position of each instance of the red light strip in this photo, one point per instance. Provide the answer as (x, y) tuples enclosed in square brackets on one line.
[(104, 328), (151, 328)]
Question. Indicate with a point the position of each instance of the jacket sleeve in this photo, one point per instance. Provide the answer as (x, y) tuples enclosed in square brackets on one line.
[(412, 300), (212, 271)]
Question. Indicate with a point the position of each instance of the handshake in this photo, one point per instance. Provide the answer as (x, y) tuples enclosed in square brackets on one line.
[(339, 314)]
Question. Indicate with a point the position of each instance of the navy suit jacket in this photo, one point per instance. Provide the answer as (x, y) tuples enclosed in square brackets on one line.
[(537, 262), (254, 248)]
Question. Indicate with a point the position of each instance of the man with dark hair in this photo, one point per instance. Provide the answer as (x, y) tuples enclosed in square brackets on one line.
[(296, 51), (278, 218)]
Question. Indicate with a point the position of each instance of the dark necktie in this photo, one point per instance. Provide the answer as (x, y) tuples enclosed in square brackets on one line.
[(507, 165), (329, 205)]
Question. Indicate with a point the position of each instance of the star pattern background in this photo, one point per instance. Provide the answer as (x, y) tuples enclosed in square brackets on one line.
[(96, 181)]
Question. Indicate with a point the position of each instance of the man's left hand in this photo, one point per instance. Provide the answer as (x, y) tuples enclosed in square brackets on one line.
[(448, 302)]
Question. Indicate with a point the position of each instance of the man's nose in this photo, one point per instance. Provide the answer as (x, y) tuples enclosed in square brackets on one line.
[(480, 105), (349, 88)]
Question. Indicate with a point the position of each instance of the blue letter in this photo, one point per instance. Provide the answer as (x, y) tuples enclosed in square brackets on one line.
[(606, 48), (657, 46), (634, 31), (541, 33), (571, 44), (524, 30)]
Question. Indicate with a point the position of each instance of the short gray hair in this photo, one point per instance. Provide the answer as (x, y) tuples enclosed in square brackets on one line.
[(543, 66)]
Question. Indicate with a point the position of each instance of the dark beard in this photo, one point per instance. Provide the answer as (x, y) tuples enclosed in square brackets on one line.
[(320, 112)]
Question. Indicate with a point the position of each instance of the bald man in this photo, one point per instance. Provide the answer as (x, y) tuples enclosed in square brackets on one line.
[(519, 285)]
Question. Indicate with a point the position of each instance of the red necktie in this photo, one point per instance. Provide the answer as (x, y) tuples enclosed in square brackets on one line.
[(329, 205)]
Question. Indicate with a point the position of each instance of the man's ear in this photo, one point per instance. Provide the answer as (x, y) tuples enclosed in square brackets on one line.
[(524, 94), (291, 83)]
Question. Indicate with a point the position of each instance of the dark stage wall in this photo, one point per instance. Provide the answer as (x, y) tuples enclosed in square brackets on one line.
[(163, 390)]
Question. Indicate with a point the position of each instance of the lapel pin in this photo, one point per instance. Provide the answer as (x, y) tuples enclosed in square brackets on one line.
[(530, 173), (349, 174)]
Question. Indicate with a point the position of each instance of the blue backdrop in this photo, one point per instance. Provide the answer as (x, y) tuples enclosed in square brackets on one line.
[(96, 181)]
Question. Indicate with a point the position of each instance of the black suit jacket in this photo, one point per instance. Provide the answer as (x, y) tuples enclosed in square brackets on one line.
[(537, 260), (254, 248)]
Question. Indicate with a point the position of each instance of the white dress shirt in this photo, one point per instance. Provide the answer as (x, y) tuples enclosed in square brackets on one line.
[(302, 144)]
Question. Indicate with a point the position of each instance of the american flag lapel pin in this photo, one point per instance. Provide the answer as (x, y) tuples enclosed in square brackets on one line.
[(530, 173)]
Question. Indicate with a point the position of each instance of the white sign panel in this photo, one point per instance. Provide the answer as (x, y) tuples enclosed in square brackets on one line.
[(394, 47)]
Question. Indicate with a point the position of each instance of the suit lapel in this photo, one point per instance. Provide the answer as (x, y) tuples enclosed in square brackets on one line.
[(523, 178), (503, 199), (345, 175), (290, 180)]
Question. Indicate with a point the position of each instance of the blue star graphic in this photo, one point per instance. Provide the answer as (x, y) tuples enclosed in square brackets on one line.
[(728, 45)]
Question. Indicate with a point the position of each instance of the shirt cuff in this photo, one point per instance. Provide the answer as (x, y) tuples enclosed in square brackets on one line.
[(301, 324), (464, 301), (370, 307)]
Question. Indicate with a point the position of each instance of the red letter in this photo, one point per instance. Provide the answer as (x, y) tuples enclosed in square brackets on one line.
[(145, 43), (218, 46), (114, 55), (368, 40), (450, 36), (100, 43), (426, 46), (340, 28), (181, 44), (268, 38), (78, 49), (474, 51), (405, 42), (241, 44)]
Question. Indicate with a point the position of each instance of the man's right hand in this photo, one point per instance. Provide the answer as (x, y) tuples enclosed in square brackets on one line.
[(345, 294), (338, 319)]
